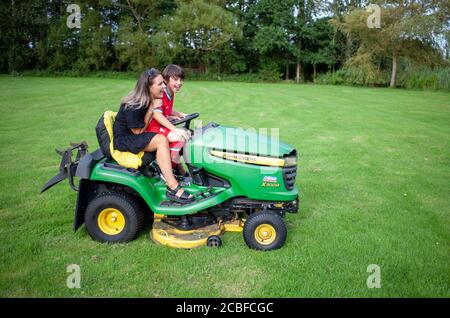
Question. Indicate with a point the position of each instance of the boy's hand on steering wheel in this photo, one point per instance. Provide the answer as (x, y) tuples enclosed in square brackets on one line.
[(174, 117)]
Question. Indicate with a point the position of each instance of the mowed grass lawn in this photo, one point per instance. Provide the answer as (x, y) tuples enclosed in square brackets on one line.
[(374, 176)]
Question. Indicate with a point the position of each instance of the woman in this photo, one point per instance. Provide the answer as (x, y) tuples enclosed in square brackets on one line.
[(131, 122)]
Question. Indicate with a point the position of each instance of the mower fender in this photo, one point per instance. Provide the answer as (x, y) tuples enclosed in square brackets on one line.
[(87, 162), (86, 189)]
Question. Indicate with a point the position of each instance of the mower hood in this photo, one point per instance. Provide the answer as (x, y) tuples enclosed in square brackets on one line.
[(259, 142)]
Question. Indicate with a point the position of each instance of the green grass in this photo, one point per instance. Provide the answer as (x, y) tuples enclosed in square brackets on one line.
[(374, 172)]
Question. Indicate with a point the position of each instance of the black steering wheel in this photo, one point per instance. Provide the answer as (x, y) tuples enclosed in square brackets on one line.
[(187, 120)]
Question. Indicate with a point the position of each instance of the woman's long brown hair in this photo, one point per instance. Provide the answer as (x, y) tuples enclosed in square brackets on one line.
[(140, 96)]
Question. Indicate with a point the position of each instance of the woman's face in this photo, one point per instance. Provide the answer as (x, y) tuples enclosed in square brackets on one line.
[(156, 89)]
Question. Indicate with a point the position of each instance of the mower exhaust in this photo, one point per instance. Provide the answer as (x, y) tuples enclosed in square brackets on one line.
[(67, 167)]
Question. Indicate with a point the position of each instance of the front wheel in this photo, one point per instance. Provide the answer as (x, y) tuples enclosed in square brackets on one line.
[(113, 217), (264, 231)]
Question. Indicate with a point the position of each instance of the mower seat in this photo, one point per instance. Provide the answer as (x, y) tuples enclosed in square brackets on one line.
[(104, 130)]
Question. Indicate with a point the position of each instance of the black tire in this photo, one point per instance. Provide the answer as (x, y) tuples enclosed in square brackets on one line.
[(121, 206), (264, 231), (214, 241)]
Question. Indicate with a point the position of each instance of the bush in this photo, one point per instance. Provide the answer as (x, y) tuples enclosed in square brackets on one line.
[(426, 78), (409, 78), (270, 73), (244, 77), (79, 68), (333, 78), (78, 73)]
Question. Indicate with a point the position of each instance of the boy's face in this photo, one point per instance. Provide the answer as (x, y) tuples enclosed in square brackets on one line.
[(175, 83)]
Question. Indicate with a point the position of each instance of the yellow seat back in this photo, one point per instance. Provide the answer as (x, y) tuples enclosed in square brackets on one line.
[(126, 159)]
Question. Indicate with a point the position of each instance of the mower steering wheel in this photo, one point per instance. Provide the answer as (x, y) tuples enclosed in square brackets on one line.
[(187, 119)]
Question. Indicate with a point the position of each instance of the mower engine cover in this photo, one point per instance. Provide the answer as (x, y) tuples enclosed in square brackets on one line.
[(256, 165)]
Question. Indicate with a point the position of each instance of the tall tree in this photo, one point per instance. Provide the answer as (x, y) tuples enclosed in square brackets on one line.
[(196, 28), (406, 28), (304, 13), (139, 22), (274, 21), (319, 47), (22, 24), (345, 45), (240, 53)]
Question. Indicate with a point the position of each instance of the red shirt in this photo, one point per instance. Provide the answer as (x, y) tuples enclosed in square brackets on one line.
[(165, 109)]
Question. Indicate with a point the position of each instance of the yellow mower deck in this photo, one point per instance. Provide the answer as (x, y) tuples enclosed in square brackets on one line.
[(165, 234)]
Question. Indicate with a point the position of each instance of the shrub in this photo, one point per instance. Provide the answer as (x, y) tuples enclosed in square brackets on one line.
[(409, 78)]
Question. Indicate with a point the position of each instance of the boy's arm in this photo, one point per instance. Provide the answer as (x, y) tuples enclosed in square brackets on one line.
[(166, 123), (178, 114)]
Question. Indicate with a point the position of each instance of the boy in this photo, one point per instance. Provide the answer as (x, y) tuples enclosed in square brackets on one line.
[(173, 76)]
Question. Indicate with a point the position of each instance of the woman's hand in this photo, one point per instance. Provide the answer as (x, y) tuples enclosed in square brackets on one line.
[(148, 117), (156, 102)]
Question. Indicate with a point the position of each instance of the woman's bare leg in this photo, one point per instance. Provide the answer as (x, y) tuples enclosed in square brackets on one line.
[(160, 144)]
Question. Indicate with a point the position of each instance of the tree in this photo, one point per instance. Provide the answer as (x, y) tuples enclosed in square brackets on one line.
[(406, 28), (22, 24), (274, 21), (345, 44), (243, 58), (139, 22), (196, 28), (133, 46), (304, 12), (319, 47)]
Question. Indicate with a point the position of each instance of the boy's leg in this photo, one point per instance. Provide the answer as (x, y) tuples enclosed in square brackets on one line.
[(176, 143), (173, 137)]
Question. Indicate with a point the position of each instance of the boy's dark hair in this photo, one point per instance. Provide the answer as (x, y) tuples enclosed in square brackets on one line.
[(172, 70)]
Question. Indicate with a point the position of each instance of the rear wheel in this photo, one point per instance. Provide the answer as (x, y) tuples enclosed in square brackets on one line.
[(265, 231), (114, 218)]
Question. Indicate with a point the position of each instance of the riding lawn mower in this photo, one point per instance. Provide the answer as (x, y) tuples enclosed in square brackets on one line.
[(237, 187)]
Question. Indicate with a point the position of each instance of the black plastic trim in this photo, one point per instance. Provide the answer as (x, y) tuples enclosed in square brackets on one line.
[(203, 178), (82, 202), (119, 168), (289, 174), (84, 168)]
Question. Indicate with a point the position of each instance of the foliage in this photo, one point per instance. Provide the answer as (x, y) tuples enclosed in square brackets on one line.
[(268, 39), (423, 78), (196, 28), (407, 31)]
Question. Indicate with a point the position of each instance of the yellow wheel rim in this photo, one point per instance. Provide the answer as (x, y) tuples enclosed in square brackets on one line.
[(111, 221), (265, 234)]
